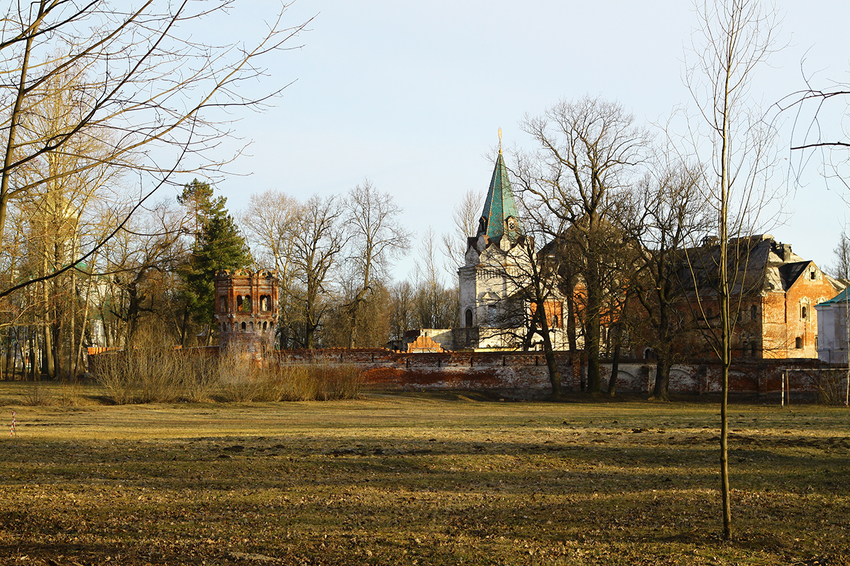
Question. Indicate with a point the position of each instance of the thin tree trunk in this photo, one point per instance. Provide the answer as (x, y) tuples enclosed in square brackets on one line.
[(5, 367), (725, 314), (184, 326), (72, 332), (592, 331), (615, 364), (11, 349), (33, 359), (572, 339), (549, 353), (48, 326), (83, 327), (57, 348)]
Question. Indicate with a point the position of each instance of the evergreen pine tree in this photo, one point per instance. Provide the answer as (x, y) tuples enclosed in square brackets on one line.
[(218, 245)]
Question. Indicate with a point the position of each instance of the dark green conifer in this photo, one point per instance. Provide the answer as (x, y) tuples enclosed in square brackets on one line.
[(218, 245)]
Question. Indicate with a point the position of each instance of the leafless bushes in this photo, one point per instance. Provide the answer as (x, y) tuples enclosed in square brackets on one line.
[(831, 385), (168, 376), (41, 394)]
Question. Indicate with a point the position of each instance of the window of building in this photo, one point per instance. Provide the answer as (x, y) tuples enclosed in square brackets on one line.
[(469, 318), (753, 313), (799, 343), (804, 312), (812, 275), (492, 314)]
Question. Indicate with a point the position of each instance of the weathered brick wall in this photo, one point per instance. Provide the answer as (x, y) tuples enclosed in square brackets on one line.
[(526, 371), (747, 377), (385, 369)]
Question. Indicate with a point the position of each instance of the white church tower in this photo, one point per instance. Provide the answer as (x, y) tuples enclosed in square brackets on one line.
[(486, 289)]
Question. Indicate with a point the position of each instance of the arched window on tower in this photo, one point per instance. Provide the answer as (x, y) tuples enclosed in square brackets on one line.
[(468, 318)]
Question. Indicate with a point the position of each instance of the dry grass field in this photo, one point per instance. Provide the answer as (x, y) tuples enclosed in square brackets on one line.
[(414, 479)]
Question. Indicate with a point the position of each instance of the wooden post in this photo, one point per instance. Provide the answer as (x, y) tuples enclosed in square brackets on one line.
[(788, 389)]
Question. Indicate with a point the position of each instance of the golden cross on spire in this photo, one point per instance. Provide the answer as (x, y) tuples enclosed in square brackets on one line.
[(500, 141)]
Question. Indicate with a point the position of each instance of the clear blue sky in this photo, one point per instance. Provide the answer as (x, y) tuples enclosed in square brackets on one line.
[(411, 94)]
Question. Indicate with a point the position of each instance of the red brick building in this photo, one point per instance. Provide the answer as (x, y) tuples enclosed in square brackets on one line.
[(246, 308), (773, 298)]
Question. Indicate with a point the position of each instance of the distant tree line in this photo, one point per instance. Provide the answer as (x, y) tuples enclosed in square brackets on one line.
[(152, 282)]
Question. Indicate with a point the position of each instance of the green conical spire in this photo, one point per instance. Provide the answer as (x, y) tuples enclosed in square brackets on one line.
[(500, 215)]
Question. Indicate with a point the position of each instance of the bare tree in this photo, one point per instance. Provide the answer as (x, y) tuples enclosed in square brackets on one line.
[(270, 223), (534, 300), (377, 236), (147, 87), (141, 262), (668, 213), (588, 152), (435, 304), (402, 314), (61, 210), (318, 241), (841, 268), (465, 219), (734, 38)]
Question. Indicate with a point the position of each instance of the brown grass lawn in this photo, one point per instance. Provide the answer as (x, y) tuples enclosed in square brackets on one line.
[(416, 479)]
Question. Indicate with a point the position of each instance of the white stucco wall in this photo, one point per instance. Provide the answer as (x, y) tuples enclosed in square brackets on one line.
[(832, 332)]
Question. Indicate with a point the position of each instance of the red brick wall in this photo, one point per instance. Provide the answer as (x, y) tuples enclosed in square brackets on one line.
[(385, 369), (805, 291), (526, 371)]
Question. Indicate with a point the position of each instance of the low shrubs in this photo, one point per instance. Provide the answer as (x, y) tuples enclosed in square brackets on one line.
[(831, 386), (47, 394), (166, 376)]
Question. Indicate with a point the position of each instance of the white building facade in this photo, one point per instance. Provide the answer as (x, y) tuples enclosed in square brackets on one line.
[(833, 329)]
